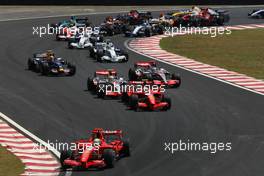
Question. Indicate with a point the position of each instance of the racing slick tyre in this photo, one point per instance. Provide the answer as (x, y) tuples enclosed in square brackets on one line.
[(98, 58), (44, 69), (69, 45), (90, 86), (92, 53), (58, 38), (30, 64), (109, 158), (110, 32), (168, 101), (176, 77), (99, 55), (101, 39), (63, 156), (159, 30), (126, 59), (132, 75), (72, 69), (147, 33), (220, 21), (126, 149), (133, 102), (124, 97)]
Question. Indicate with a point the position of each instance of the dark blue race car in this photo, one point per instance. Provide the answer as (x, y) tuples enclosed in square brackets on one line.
[(47, 64)]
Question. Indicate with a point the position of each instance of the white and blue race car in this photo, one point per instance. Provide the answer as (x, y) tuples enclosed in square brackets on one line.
[(146, 29), (107, 52), (81, 41)]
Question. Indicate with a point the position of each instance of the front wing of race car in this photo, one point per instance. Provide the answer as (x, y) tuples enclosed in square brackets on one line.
[(121, 58), (80, 46), (172, 83), (154, 107), (86, 165)]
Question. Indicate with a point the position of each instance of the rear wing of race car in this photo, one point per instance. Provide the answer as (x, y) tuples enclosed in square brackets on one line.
[(107, 132), (145, 64), (140, 82), (114, 132), (107, 72)]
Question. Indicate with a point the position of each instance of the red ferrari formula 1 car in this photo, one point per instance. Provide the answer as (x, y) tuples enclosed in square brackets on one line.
[(150, 72), (105, 83), (141, 96), (100, 151), (134, 17)]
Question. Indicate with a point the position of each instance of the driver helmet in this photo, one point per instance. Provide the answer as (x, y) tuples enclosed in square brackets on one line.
[(50, 55), (97, 141), (111, 77), (154, 68), (110, 44)]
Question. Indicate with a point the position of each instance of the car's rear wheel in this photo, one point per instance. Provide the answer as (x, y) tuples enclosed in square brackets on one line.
[(89, 84), (30, 64), (69, 45), (92, 54), (63, 156), (109, 158), (98, 58), (126, 59), (124, 97), (99, 55), (176, 77), (168, 101), (58, 38), (126, 149), (72, 70), (131, 74), (44, 69), (133, 102), (147, 32)]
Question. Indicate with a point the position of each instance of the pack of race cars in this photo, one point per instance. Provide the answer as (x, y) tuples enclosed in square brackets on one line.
[(143, 74), (143, 91), (146, 84)]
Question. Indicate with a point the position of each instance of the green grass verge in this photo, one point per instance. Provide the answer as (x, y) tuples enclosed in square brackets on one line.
[(242, 51), (10, 165)]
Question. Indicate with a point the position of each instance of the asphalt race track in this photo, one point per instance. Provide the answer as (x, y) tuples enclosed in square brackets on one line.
[(203, 110)]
